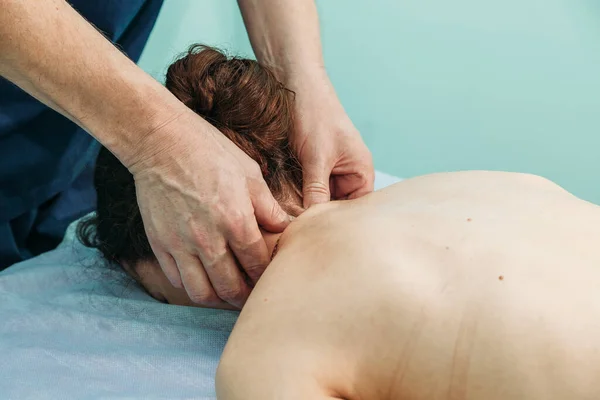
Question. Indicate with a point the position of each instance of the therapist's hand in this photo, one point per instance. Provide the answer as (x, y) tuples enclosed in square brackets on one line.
[(201, 199), (336, 162)]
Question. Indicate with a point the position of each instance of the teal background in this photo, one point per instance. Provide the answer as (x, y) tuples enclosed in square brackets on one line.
[(437, 85)]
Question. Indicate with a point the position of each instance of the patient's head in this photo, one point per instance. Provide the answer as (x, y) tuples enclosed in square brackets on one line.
[(248, 105)]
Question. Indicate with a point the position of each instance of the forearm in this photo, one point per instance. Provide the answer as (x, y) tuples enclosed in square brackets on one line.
[(284, 35), (51, 52)]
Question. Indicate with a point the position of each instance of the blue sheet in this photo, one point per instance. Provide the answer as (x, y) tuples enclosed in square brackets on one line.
[(71, 327)]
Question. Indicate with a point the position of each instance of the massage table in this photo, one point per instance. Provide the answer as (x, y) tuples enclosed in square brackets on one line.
[(71, 327)]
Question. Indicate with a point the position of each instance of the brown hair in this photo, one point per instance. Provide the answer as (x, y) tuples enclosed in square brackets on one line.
[(238, 96)]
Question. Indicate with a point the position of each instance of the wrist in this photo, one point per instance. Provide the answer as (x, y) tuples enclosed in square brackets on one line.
[(176, 136), (154, 141), (311, 83), (292, 73), (310, 79), (131, 126)]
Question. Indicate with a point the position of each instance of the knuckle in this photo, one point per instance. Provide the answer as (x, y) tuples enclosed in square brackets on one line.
[(172, 273), (249, 246), (316, 188), (207, 242), (253, 242), (256, 270), (255, 170), (174, 241), (236, 218), (232, 293), (168, 241), (245, 241), (365, 173), (197, 239), (207, 298), (238, 223), (214, 257), (222, 207)]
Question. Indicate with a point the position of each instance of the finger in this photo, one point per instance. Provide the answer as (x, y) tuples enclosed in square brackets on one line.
[(227, 279), (196, 282), (370, 186), (333, 190), (169, 267), (366, 188), (315, 184), (250, 250), (350, 186), (267, 211)]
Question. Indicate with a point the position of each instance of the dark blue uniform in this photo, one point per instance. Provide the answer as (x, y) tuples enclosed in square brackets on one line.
[(46, 161)]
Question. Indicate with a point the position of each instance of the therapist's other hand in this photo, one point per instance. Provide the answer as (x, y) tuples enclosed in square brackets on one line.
[(201, 199), (336, 162)]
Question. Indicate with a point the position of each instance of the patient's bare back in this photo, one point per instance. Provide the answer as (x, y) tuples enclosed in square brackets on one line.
[(471, 285)]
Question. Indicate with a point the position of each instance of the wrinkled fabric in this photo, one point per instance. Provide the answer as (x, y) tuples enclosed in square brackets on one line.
[(74, 327)]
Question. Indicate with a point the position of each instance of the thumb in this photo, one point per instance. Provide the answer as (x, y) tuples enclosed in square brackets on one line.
[(268, 212), (315, 185)]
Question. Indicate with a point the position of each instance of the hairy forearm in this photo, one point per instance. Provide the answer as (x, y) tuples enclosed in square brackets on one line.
[(284, 35), (51, 52)]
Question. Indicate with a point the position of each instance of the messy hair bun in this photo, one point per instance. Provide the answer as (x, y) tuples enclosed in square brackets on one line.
[(242, 99), (246, 103)]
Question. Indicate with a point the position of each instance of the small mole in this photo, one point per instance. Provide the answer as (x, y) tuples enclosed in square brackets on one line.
[(447, 248), (265, 300), (469, 219), (501, 278)]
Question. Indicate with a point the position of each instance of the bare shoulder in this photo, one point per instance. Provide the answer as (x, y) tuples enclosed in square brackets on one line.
[(485, 189), (479, 179), (359, 285), (253, 369), (238, 380)]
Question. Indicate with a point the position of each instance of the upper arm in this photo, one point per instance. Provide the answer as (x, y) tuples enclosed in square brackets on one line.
[(239, 379), (276, 350)]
